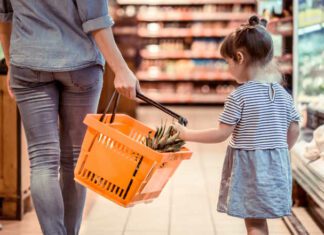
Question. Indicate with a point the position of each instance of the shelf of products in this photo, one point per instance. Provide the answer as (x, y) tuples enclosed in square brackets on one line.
[(179, 47), (180, 54), (206, 12), (125, 31), (187, 93), (311, 66), (282, 26), (196, 69), (186, 29), (159, 16), (184, 32), (193, 76)]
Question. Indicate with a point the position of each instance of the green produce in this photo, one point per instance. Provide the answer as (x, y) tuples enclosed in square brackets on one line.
[(164, 140)]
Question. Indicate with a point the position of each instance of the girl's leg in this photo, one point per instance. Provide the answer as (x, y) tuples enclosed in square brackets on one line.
[(37, 98), (256, 226), (79, 95)]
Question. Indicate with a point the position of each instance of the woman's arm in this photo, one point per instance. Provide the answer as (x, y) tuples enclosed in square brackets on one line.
[(125, 80), (208, 136), (97, 21), (292, 135)]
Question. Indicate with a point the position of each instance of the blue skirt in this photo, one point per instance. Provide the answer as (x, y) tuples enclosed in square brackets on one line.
[(256, 184)]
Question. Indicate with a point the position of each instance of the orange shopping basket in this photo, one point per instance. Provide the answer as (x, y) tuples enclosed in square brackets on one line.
[(115, 164)]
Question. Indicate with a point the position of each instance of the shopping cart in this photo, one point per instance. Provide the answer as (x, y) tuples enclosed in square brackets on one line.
[(116, 164)]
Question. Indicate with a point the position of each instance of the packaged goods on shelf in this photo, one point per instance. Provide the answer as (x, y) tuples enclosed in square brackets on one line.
[(282, 26), (184, 69), (206, 12), (178, 53), (188, 92), (195, 29)]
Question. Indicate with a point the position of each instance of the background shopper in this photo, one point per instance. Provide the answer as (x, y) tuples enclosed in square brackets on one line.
[(256, 179), (56, 73)]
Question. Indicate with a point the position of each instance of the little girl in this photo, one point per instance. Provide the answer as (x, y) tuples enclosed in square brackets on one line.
[(256, 179)]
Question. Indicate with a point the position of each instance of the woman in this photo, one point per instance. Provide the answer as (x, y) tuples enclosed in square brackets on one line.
[(56, 70)]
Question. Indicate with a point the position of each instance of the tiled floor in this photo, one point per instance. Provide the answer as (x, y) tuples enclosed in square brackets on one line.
[(187, 206)]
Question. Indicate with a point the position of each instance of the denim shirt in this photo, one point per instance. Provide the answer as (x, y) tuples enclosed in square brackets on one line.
[(55, 35)]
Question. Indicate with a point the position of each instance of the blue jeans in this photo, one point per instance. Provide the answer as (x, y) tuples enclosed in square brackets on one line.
[(52, 108)]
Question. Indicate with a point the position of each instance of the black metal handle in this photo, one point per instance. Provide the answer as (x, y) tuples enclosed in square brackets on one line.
[(181, 120), (116, 96)]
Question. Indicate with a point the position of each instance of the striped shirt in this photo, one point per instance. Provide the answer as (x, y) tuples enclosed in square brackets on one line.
[(261, 113)]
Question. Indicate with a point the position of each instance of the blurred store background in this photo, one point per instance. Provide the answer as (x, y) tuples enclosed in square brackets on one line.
[(172, 46)]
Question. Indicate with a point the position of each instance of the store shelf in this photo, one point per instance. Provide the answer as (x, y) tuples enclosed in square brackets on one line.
[(306, 99), (187, 98), (183, 2), (124, 31), (179, 55), (178, 33), (221, 16), (193, 76), (179, 59), (281, 26)]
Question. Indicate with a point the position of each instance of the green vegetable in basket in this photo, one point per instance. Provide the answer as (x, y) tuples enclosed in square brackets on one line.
[(164, 140)]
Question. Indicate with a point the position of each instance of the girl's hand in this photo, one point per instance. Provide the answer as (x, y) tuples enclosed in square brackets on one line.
[(183, 131)]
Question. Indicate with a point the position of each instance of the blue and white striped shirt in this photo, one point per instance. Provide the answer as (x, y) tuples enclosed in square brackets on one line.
[(262, 113)]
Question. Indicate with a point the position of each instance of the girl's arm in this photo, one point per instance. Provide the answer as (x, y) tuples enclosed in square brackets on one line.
[(292, 135), (208, 136)]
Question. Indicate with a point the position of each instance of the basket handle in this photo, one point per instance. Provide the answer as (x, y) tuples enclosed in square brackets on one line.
[(116, 97), (181, 120)]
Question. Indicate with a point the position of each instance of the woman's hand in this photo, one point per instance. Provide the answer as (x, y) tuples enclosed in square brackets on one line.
[(126, 83), (183, 131)]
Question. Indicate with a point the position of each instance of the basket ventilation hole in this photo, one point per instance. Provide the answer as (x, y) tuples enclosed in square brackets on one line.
[(92, 176), (103, 183), (109, 184), (84, 172), (121, 193)]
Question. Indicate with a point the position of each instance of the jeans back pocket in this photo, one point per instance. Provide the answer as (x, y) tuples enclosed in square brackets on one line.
[(86, 78)]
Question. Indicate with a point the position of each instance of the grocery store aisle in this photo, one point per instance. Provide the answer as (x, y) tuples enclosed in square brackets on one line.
[(187, 206)]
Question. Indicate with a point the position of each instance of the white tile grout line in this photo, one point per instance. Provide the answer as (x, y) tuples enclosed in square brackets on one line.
[(208, 194)]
